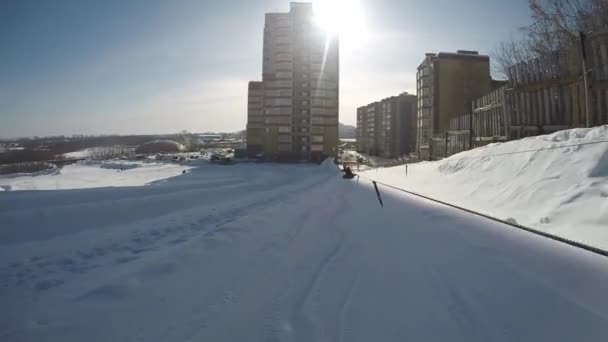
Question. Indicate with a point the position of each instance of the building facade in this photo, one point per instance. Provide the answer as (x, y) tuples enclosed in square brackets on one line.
[(387, 128), (447, 83), (255, 119), (300, 82)]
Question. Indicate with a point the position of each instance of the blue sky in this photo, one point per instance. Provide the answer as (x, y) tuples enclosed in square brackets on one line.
[(161, 66)]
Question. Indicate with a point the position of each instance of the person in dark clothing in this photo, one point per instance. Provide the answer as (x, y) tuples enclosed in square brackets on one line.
[(348, 173)]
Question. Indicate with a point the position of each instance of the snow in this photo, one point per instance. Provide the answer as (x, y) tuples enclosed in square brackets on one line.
[(80, 154), (91, 174), (263, 252), (562, 191)]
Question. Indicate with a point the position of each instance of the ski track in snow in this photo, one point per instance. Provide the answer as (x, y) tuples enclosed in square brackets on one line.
[(285, 254)]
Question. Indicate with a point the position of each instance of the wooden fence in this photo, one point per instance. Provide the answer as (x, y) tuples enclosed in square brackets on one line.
[(547, 94), (544, 95)]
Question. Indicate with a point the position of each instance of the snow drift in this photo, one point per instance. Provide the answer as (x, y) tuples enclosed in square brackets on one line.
[(92, 174), (557, 184)]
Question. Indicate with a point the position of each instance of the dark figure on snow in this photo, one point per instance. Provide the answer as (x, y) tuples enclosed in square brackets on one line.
[(348, 173)]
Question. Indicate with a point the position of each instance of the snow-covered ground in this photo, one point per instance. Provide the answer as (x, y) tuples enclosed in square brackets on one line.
[(93, 175), (80, 154), (262, 252), (563, 191)]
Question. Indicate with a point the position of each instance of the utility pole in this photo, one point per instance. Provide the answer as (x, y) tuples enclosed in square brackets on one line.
[(447, 143), (583, 38)]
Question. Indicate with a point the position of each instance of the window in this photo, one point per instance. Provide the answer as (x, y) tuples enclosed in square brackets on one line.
[(278, 84), (324, 121), (284, 129), (278, 102), (304, 111), (326, 85), (283, 57), (316, 148), (284, 138), (317, 138), (324, 103), (283, 66), (278, 93), (284, 74), (323, 111), (304, 93), (284, 148), (304, 103), (324, 93), (305, 84), (278, 121)]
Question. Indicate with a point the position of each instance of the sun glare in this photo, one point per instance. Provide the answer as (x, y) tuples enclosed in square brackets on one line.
[(345, 18)]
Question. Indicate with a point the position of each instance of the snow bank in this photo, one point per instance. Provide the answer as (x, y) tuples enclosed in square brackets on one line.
[(93, 175), (79, 154), (563, 191), (114, 164), (328, 165)]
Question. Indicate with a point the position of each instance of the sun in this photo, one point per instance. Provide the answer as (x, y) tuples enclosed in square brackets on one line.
[(344, 18)]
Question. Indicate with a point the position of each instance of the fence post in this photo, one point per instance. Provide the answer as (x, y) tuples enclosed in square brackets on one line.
[(447, 142), (471, 127), (583, 37)]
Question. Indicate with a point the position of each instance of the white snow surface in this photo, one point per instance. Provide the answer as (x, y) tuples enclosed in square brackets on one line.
[(80, 154), (562, 191), (262, 252), (90, 174)]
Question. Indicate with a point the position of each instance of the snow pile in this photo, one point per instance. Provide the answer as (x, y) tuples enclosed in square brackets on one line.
[(93, 175), (79, 154), (563, 191), (121, 165), (329, 166)]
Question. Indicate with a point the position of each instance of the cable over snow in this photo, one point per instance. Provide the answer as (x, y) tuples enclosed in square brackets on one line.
[(563, 191)]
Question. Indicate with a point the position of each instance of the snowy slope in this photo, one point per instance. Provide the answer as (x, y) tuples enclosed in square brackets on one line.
[(80, 154), (282, 253), (561, 191), (93, 175)]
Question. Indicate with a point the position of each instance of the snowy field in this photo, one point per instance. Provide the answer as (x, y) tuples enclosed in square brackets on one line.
[(563, 191), (262, 252), (93, 175)]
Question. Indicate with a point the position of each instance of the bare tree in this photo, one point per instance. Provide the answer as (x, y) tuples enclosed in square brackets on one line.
[(110, 152), (509, 53), (556, 25)]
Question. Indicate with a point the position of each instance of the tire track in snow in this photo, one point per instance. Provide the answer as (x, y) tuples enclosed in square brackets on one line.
[(345, 307), (42, 273), (303, 324), (203, 318)]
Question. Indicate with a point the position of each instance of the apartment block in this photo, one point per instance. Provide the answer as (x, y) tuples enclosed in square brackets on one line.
[(300, 82), (447, 83), (255, 119), (387, 128)]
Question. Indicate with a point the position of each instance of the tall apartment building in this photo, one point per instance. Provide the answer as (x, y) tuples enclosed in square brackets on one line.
[(255, 119), (300, 82), (447, 83), (387, 128)]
